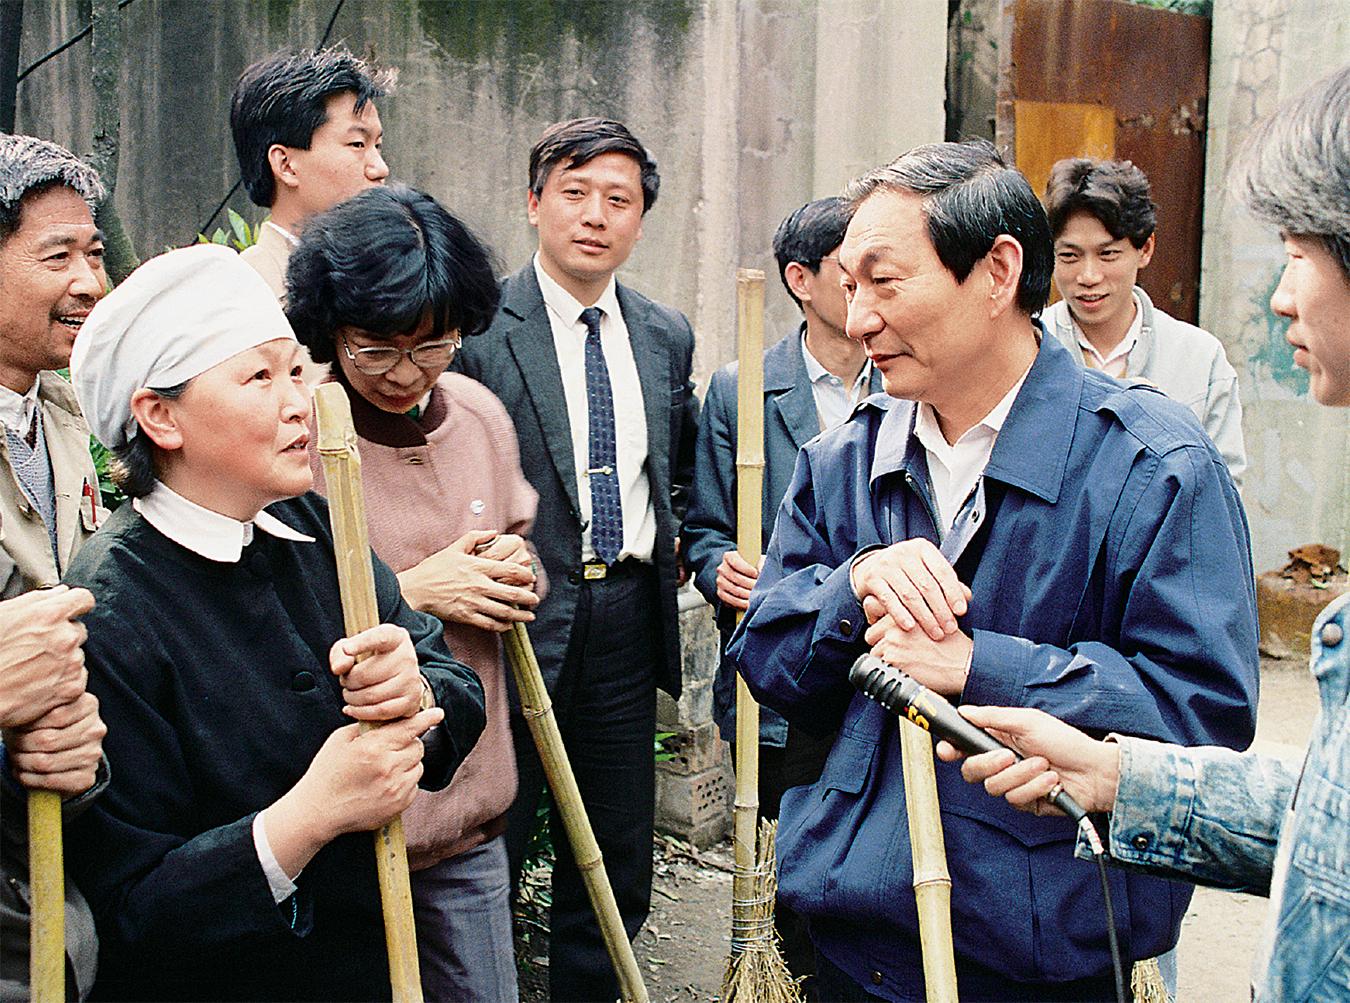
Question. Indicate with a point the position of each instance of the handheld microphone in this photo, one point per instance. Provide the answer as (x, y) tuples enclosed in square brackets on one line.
[(905, 697)]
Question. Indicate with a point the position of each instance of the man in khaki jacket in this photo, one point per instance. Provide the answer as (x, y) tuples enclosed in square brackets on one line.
[(51, 275)]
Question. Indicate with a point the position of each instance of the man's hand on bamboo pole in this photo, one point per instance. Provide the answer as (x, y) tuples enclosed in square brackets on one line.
[(61, 750)]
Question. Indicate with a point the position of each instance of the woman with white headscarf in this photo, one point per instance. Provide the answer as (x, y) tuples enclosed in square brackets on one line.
[(228, 857)]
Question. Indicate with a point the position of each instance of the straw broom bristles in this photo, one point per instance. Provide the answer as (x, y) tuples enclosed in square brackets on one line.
[(756, 970)]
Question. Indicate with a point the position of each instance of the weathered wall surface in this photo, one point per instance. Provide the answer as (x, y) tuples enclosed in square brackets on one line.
[(1264, 52), (750, 109)]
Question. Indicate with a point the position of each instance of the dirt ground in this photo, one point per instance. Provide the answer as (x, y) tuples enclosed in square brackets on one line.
[(683, 948)]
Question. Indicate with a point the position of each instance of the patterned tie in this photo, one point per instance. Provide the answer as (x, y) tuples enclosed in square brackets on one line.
[(606, 515)]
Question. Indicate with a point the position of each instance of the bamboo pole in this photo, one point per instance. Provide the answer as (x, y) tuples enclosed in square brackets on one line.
[(932, 883), (356, 580), (538, 710), (46, 876), (749, 494), (755, 969)]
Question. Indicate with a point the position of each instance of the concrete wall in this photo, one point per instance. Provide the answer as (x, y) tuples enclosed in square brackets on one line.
[(1263, 52), (750, 109)]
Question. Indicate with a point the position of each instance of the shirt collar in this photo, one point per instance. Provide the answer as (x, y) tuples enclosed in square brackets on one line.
[(1126, 343), (815, 372), (291, 238), (16, 410), (209, 534), (1032, 450), (929, 433), (565, 305)]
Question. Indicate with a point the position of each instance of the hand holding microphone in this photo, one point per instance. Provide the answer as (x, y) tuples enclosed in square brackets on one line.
[(905, 697)]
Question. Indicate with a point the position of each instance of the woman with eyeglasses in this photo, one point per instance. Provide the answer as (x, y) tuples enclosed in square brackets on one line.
[(383, 287)]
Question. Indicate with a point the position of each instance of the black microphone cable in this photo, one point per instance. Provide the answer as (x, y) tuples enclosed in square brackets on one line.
[(905, 697)]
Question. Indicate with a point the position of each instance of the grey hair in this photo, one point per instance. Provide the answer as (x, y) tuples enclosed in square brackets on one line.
[(1293, 172), (27, 162), (28, 166)]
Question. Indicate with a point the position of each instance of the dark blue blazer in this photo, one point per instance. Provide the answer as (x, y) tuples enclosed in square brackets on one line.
[(516, 360), (790, 421)]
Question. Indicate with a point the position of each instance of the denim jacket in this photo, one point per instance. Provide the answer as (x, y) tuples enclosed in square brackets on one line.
[(1251, 823)]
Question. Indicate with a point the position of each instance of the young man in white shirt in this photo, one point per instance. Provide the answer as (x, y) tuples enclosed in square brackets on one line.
[(1103, 220), (308, 136)]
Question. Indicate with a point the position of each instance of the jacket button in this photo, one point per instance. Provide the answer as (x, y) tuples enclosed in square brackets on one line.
[(1140, 842), (1331, 634), (876, 978), (574, 577), (845, 627), (302, 682)]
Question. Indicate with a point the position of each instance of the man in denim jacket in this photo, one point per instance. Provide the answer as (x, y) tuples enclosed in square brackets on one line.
[(1245, 821)]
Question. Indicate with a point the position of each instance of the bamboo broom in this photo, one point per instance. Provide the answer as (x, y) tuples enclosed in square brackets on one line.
[(932, 882), (356, 581), (755, 970), (538, 710), (46, 876)]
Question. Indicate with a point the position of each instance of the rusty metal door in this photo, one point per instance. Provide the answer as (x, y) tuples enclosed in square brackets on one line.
[(1105, 78)]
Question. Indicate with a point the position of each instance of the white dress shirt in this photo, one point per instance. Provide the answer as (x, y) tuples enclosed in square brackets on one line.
[(219, 538), (17, 410), (834, 401), (954, 469), (291, 238), (630, 417)]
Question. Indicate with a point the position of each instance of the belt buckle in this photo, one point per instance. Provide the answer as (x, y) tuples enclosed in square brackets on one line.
[(595, 570)]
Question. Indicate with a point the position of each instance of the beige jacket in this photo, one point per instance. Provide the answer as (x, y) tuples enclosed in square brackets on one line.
[(268, 258), (26, 560)]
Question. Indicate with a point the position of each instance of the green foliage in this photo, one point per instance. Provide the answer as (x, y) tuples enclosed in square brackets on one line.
[(241, 235), (662, 752), (103, 459)]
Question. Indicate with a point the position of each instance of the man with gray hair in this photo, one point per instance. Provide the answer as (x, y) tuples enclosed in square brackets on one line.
[(51, 275), (1005, 526)]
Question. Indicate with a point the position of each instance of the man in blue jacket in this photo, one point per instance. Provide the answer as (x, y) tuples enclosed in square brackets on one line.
[(1016, 530)]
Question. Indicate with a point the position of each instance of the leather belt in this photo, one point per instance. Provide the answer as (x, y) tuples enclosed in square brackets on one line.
[(593, 571)]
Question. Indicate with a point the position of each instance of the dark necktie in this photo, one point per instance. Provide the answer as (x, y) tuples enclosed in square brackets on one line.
[(606, 515)]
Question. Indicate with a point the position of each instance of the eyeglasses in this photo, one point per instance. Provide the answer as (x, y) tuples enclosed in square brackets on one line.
[(382, 358)]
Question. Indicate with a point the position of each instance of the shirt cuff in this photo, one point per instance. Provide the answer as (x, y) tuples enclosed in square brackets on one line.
[(282, 886)]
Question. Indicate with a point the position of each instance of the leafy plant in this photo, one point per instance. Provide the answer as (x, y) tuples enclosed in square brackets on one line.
[(662, 753), (240, 235)]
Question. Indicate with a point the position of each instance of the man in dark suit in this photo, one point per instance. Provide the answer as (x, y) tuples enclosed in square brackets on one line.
[(812, 381), (597, 380)]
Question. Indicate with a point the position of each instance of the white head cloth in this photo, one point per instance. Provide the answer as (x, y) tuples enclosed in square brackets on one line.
[(172, 319)]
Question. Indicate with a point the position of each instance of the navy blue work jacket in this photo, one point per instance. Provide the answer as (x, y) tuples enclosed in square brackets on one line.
[(1114, 590)]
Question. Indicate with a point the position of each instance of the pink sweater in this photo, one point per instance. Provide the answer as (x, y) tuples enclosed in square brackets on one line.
[(427, 483)]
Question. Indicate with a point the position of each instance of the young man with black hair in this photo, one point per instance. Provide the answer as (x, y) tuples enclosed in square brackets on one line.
[(307, 135), (596, 379), (812, 381), (1008, 524), (1103, 219)]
